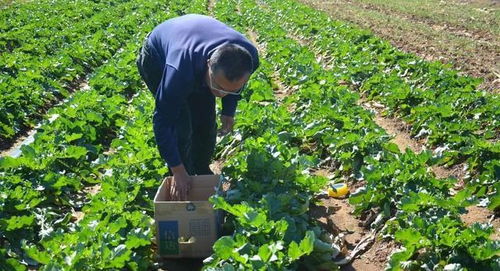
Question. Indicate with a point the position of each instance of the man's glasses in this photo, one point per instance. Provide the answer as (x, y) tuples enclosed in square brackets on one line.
[(212, 83)]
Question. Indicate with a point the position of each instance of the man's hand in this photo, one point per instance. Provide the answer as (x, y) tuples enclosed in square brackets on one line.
[(227, 124), (180, 184)]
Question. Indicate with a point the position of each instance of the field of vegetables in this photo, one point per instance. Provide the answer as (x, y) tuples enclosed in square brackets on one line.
[(79, 197)]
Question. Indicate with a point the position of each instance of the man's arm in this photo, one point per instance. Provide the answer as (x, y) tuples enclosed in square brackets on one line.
[(168, 103), (229, 103), (169, 99)]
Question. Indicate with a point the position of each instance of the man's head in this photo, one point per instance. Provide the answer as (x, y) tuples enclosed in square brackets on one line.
[(229, 68)]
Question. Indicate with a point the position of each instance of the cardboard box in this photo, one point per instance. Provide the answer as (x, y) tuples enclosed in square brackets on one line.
[(188, 229)]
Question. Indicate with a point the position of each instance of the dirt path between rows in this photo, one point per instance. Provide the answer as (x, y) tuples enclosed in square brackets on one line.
[(480, 36), (393, 126), (335, 216), (473, 53), (399, 130)]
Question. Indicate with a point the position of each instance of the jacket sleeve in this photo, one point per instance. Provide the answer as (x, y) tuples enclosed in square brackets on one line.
[(256, 61), (229, 103), (169, 101)]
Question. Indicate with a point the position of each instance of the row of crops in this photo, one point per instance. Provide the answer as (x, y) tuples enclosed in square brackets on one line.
[(326, 126), (102, 137), (43, 60), (443, 108)]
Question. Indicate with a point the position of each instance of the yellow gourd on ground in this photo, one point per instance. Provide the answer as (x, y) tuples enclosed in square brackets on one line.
[(338, 190)]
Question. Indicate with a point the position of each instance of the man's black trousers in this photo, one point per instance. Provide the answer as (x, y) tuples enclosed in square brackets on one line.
[(196, 126)]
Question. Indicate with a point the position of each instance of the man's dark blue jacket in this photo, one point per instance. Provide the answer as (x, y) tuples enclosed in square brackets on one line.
[(183, 45)]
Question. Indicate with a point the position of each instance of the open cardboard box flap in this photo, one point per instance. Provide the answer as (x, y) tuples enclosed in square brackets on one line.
[(202, 188)]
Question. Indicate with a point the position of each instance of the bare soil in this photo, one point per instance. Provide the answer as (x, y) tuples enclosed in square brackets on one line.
[(335, 216), (210, 7), (400, 131), (475, 53), (482, 215), (395, 127)]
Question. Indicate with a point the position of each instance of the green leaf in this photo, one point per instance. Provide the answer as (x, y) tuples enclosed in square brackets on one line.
[(392, 147), (307, 244), (93, 116), (398, 257), (294, 252), (255, 218), (485, 251), (76, 152), (39, 256), (28, 151), (120, 255), (72, 137), (224, 247), (265, 252), (19, 222), (410, 237), (9, 263), (137, 238), (494, 202), (9, 162)]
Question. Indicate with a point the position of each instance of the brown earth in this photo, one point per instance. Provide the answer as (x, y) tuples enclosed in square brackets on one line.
[(482, 215), (402, 138), (6, 3), (399, 130), (394, 127), (335, 216), (475, 53)]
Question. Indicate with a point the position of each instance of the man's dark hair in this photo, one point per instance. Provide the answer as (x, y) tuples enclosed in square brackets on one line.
[(233, 60)]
